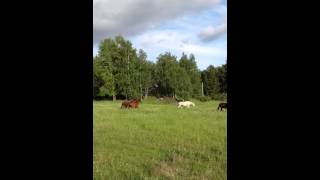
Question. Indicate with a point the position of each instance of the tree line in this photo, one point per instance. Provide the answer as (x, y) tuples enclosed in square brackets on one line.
[(120, 71)]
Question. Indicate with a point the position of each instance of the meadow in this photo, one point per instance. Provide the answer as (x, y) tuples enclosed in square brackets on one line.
[(159, 141)]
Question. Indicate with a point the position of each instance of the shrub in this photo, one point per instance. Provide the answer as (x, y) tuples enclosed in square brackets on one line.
[(220, 97), (168, 100), (204, 98)]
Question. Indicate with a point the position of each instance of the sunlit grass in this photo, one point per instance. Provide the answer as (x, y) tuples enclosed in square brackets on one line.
[(159, 141)]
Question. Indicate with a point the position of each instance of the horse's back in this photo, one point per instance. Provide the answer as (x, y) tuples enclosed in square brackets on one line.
[(135, 103), (222, 105)]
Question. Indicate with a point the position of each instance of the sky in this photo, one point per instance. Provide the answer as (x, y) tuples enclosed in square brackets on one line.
[(158, 26)]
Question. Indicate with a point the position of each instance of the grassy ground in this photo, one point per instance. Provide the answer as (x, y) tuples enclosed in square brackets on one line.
[(159, 141)]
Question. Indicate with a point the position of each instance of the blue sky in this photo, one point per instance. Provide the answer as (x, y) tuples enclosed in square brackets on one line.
[(199, 28)]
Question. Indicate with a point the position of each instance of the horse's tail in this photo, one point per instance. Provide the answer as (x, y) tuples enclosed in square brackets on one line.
[(218, 107)]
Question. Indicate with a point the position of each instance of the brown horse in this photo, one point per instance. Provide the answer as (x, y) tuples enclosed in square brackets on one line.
[(134, 103), (125, 104), (222, 105)]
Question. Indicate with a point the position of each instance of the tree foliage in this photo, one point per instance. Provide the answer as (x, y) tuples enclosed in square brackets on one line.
[(119, 70)]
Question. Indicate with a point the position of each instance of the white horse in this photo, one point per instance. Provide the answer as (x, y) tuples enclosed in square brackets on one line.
[(185, 104)]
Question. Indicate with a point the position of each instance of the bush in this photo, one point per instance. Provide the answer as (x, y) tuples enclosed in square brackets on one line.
[(169, 100), (149, 100), (220, 97), (204, 98), (166, 100)]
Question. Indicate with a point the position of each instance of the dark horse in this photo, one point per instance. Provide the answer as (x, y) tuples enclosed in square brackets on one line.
[(134, 103), (222, 105)]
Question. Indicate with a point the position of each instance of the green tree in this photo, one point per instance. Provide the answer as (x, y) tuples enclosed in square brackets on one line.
[(103, 82), (190, 66), (222, 78), (171, 78), (211, 83), (166, 66), (104, 68), (183, 85), (97, 81), (120, 70), (145, 73), (125, 68)]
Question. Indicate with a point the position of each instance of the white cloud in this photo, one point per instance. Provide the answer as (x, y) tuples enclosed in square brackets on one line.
[(157, 42), (132, 17), (157, 26), (212, 32), (200, 49)]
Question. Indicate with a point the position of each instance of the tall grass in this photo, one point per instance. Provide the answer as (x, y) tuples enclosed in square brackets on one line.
[(159, 141)]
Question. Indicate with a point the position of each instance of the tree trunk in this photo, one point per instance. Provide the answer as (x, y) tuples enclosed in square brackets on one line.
[(146, 93), (114, 98), (202, 89)]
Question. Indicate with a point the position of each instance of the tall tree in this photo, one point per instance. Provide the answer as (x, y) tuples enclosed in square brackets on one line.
[(104, 68), (97, 81), (190, 66), (145, 73), (120, 70), (183, 85), (211, 83), (166, 66), (125, 63), (222, 78)]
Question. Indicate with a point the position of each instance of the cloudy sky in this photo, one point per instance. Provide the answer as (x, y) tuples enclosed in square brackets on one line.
[(158, 26)]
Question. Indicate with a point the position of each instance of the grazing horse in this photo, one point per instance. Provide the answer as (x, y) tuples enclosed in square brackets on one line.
[(222, 105), (135, 103), (125, 104), (185, 104)]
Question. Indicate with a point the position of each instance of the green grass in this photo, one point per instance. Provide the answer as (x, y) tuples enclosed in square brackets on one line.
[(159, 141)]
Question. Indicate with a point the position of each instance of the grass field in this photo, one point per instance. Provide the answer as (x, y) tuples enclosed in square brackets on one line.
[(159, 141)]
